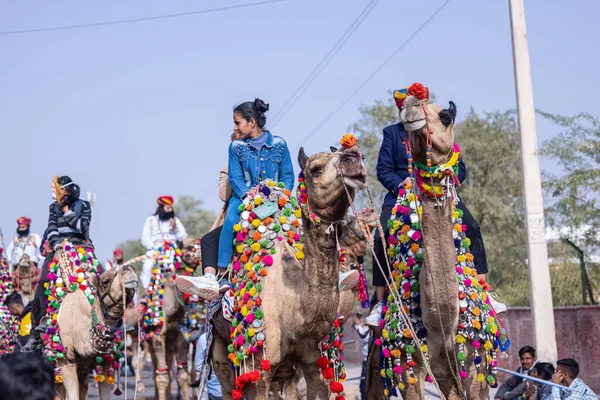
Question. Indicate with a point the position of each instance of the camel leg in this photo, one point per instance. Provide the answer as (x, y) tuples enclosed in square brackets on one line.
[(70, 381), (103, 387), (161, 369), (222, 367), (183, 376), (316, 389), (83, 376), (137, 364), (170, 356), (291, 389)]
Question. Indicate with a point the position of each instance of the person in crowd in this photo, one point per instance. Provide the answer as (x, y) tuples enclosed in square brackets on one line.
[(27, 376), (513, 388), (567, 372), (163, 226)]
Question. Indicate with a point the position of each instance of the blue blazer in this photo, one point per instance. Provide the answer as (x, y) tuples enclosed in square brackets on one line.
[(392, 163)]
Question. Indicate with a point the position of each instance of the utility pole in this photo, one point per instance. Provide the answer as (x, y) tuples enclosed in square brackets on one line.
[(537, 251)]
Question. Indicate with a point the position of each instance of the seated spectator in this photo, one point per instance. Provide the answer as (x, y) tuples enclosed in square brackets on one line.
[(26, 376), (514, 387), (538, 391), (566, 374), (14, 303)]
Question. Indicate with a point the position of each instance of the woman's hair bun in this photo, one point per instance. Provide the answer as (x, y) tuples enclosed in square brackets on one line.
[(261, 106)]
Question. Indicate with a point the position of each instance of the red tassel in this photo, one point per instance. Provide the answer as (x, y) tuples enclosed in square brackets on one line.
[(336, 387), (254, 376), (340, 398), (265, 365), (328, 373), (236, 394), (322, 362)]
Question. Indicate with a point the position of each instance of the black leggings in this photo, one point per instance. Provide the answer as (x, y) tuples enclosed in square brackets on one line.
[(210, 248), (473, 233)]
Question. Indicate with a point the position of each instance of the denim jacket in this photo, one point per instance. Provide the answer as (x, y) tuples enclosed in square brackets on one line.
[(248, 167)]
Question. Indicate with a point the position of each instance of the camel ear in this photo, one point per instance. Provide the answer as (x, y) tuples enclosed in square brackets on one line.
[(448, 115), (333, 149), (302, 158)]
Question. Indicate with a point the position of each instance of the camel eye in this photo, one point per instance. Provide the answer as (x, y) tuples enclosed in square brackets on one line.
[(315, 171), (105, 282)]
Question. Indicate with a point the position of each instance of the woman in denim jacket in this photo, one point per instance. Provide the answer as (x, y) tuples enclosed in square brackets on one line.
[(257, 155)]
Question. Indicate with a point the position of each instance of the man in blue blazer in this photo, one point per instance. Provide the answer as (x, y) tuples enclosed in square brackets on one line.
[(392, 172)]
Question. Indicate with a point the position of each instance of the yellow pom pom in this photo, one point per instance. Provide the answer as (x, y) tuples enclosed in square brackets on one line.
[(460, 339), (385, 334), (299, 246), (244, 311), (237, 227), (258, 200), (239, 248), (401, 386), (383, 374), (283, 220), (488, 345), (298, 213), (252, 292), (80, 250), (461, 258), (248, 266), (424, 348), (300, 255), (251, 332), (255, 247), (256, 223), (480, 378), (271, 183)]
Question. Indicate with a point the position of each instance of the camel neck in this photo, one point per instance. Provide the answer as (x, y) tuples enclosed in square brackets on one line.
[(439, 287), (322, 261)]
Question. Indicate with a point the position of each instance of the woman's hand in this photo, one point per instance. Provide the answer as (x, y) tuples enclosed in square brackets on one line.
[(64, 209)]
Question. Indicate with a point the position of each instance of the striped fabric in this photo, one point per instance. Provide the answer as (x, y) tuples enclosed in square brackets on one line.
[(69, 226)]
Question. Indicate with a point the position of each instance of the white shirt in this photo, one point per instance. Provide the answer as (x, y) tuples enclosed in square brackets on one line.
[(20, 245), (112, 264), (156, 232)]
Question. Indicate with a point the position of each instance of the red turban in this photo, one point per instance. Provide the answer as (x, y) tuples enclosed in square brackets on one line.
[(24, 221), (165, 200), (118, 252)]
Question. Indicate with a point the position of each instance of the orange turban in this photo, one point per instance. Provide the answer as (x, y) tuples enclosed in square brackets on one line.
[(165, 200)]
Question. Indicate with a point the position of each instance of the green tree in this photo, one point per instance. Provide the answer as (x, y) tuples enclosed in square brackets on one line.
[(573, 192), (197, 221)]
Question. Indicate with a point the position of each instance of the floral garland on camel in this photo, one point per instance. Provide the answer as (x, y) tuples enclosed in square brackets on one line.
[(9, 321)]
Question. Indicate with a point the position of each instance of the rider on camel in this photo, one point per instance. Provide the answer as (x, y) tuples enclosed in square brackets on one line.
[(257, 155), (69, 220), (116, 262), (159, 228), (23, 243), (392, 172)]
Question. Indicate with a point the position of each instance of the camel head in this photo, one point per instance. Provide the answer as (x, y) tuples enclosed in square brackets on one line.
[(422, 119), (110, 288), (325, 175), (190, 253), (24, 264), (369, 218)]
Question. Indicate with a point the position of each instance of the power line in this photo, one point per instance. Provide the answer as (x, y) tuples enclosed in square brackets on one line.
[(287, 106), (362, 85), (143, 19)]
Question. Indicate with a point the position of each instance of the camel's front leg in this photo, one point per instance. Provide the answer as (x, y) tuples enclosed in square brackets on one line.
[(137, 363), (316, 389), (161, 370), (70, 381), (183, 376), (222, 367)]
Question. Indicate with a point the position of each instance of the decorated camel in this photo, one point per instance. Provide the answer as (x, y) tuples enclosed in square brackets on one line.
[(25, 278), (161, 322), (450, 331), (287, 294), (84, 318), (353, 246)]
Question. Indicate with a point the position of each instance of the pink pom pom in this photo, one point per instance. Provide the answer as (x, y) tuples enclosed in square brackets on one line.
[(407, 273), (464, 228), (236, 266), (406, 286), (386, 353), (401, 192), (429, 379), (463, 374), (468, 282), (250, 318), (397, 370), (239, 237), (241, 340), (268, 261), (416, 236), (477, 344), (246, 297), (410, 262), (378, 342), (459, 270), (253, 349), (495, 363)]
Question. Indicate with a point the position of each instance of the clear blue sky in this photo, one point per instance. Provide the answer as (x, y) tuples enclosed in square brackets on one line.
[(138, 110)]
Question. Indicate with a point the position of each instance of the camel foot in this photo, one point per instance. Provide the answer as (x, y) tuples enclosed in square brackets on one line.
[(141, 388)]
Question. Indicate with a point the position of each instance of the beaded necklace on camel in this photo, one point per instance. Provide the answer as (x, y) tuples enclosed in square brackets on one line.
[(166, 262), (75, 263), (9, 327), (478, 322)]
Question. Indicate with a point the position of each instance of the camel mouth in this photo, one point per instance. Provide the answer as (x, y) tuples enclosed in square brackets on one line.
[(130, 284), (356, 182), (412, 126)]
